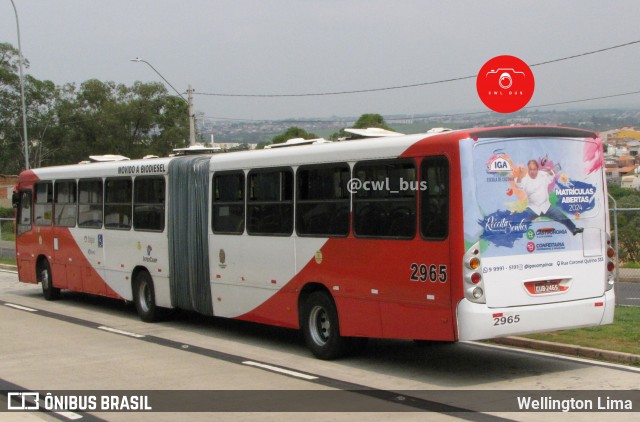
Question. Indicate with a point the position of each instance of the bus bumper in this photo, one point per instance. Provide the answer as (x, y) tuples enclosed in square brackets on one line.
[(476, 321)]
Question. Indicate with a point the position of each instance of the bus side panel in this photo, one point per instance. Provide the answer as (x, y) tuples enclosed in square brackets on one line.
[(26, 253), (372, 288)]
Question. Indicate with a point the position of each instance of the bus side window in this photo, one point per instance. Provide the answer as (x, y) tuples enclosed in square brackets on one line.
[(385, 204), (90, 203), (434, 213), (148, 204), (43, 211), (117, 203), (65, 204), (24, 212), (228, 203), (270, 202), (322, 205)]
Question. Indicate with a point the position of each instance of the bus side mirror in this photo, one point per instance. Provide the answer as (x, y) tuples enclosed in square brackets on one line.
[(15, 199)]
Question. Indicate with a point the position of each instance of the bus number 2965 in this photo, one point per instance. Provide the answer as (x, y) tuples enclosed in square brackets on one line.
[(424, 272)]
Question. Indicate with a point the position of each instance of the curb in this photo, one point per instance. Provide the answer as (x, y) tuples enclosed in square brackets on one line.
[(8, 267), (570, 349)]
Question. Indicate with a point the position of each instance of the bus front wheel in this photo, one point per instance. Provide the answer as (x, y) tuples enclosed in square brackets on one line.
[(321, 328), (44, 277), (145, 298)]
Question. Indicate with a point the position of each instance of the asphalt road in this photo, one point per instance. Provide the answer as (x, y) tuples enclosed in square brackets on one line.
[(90, 345)]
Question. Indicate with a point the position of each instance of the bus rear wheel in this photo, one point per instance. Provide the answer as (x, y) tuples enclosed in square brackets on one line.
[(321, 328), (44, 277), (145, 298)]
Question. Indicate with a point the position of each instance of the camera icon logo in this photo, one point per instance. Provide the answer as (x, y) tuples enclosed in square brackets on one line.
[(505, 80), (505, 84)]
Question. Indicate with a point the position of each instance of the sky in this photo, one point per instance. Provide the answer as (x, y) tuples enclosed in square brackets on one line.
[(319, 46)]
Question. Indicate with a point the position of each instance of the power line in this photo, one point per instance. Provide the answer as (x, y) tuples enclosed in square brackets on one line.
[(389, 88), (301, 121)]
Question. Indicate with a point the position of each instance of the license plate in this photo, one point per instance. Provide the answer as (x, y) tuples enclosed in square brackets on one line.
[(545, 287)]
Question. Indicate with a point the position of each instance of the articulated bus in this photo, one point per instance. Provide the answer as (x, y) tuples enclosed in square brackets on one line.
[(459, 235)]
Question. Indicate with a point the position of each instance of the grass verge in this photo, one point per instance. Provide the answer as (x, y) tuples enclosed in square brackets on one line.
[(621, 336), (8, 261)]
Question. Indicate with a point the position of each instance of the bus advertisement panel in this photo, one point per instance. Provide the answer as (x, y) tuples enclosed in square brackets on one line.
[(536, 209)]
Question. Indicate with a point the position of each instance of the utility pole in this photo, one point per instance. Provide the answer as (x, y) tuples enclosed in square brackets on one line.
[(24, 108), (189, 100), (192, 118)]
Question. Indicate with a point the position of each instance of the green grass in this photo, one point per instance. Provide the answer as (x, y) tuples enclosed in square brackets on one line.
[(621, 336), (7, 261), (8, 236)]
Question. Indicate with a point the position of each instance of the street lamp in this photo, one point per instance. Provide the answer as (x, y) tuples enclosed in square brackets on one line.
[(24, 107), (192, 132)]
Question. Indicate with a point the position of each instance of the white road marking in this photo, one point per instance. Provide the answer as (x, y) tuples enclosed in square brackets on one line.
[(280, 370), (70, 415), (124, 333), (22, 308)]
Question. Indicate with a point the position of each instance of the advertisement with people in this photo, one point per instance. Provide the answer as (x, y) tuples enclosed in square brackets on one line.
[(535, 205)]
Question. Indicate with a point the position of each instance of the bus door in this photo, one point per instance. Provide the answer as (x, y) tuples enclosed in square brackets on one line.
[(25, 236)]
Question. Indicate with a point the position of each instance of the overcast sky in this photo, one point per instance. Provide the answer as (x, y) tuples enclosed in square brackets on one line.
[(314, 46)]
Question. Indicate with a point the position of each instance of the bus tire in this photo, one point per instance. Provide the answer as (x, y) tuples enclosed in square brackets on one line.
[(44, 277), (145, 298), (321, 328)]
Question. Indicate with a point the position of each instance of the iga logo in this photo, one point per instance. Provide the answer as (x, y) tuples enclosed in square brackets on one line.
[(499, 164), (505, 84)]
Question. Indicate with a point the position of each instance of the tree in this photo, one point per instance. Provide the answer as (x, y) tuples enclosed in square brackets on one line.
[(105, 118), (291, 133), (628, 227), (365, 121), (67, 123)]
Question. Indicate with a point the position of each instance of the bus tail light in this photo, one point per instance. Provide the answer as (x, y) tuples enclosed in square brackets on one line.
[(476, 278), (611, 264), (473, 283)]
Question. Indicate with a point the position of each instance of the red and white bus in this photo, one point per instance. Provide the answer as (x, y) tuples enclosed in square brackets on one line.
[(459, 235)]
